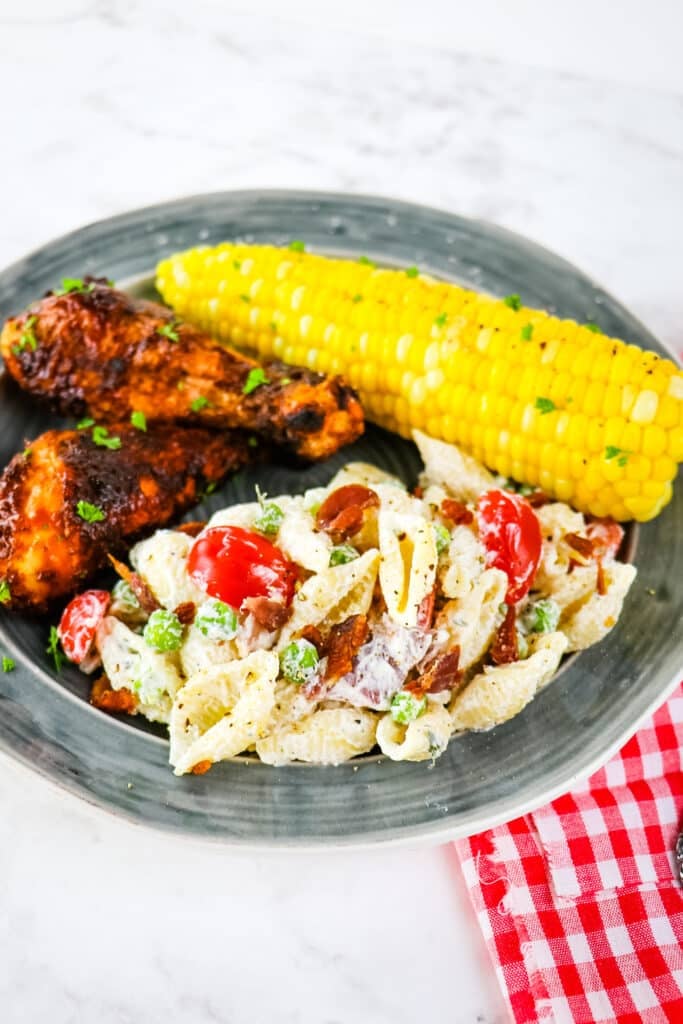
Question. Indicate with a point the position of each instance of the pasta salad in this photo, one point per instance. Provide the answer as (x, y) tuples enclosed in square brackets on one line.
[(357, 616)]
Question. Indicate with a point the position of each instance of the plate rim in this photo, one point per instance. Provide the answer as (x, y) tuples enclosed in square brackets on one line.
[(471, 821), (401, 836)]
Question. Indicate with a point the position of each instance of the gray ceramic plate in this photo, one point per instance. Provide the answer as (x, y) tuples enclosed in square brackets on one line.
[(592, 707)]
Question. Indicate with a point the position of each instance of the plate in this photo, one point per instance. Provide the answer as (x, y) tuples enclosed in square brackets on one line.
[(566, 733)]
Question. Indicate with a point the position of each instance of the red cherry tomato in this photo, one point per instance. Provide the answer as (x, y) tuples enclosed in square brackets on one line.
[(231, 563), (606, 536), (511, 534), (79, 622)]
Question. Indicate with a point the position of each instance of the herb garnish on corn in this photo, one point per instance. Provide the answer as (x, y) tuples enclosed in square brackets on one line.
[(539, 399)]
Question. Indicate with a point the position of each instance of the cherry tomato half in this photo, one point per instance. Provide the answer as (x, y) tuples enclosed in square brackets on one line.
[(606, 536), (511, 534), (79, 622), (231, 563)]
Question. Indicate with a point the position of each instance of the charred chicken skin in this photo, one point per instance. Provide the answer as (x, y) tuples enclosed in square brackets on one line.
[(66, 503), (100, 351)]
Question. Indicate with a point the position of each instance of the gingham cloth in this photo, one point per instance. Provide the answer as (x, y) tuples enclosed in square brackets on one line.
[(579, 901)]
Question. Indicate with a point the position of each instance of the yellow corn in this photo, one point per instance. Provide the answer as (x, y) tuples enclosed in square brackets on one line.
[(591, 420)]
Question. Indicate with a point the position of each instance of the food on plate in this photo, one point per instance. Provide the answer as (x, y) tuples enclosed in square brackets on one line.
[(316, 627), (548, 402), (89, 348), (74, 496)]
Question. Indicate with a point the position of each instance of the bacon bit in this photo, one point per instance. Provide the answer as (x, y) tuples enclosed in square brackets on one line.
[(605, 534), (102, 696), (601, 581), (418, 492), (538, 499), (314, 636), (148, 601), (504, 647), (425, 613), (341, 514), (192, 529), (456, 511), (186, 612), (269, 614), (201, 767), (581, 546), (342, 645), (442, 674)]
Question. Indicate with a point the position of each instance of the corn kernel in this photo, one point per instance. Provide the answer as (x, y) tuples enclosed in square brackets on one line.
[(663, 468), (654, 441), (645, 407), (638, 468), (670, 413)]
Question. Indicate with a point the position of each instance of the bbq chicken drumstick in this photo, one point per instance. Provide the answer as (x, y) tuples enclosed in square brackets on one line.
[(94, 349), (66, 502)]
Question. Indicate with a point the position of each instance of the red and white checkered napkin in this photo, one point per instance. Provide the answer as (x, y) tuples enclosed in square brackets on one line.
[(579, 901)]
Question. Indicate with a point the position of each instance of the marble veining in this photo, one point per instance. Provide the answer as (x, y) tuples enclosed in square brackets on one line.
[(107, 106)]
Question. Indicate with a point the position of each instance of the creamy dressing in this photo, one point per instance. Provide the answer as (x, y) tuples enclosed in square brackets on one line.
[(132, 665)]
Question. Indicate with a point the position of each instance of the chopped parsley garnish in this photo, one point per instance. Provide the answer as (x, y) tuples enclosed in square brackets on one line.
[(27, 338), (296, 245), (210, 488), (7, 664), (593, 327), (170, 330), (412, 272), (76, 284), (366, 261), (441, 320), (27, 453), (526, 332), (545, 405), (342, 554), (273, 326), (285, 380), (90, 513), (138, 420), (299, 661), (513, 301), (620, 454), (237, 264), (252, 442), (255, 378), (197, 404), (406, 708), (100, 436), (245, 297), (84, 424), (54, 649), (357, 298), (4, 592)]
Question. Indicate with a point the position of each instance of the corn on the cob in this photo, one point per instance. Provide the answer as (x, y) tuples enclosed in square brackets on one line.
[(545, 401)]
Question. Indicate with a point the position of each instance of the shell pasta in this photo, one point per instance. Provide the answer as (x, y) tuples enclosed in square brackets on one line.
[(358, 617)]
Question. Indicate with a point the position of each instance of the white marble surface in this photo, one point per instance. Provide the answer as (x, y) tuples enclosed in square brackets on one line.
[(109, 105)]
